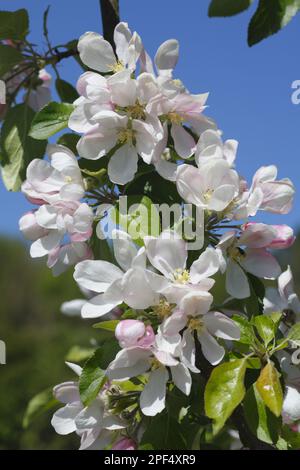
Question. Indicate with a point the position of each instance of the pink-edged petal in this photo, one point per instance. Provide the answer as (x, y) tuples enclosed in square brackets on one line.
[(261, 263)]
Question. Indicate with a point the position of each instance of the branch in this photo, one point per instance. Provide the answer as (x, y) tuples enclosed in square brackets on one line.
[(110, 18)]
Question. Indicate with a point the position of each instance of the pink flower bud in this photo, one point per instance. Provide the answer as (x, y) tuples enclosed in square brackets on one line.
[(258, 235), (125, 444), (134, 333), (284, 239)]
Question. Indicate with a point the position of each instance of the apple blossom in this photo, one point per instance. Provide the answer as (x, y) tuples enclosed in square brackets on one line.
[(213, 186), (284, 298), (248, 253), (98, 54), (210, 146), (130, 283), (273, 195), (91, 423), (168, 254), (154, 360), (207, 325), (59, 179)]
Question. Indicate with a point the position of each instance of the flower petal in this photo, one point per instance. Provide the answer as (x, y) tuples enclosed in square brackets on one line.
[(96, 52), (123, 165), (152, 399)]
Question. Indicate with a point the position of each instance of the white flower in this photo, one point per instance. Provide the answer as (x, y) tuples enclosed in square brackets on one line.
[(283, 298), (114, 285), (247, 254), (91, 423), (134, 137), (210, 146), (62, 218), (59, 179), (155, 360), (269, 194), (207, 325), (168, 254), (180, 109), (98, 54), (213, 186)]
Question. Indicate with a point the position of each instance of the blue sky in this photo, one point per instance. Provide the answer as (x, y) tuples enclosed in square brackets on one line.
[(250, 88)]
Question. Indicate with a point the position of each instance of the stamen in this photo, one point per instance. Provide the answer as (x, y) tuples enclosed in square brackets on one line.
[(181, 276), (126, 135)]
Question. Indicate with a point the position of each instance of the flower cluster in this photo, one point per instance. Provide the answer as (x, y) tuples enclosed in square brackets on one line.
[(160, 299), (57, 187)]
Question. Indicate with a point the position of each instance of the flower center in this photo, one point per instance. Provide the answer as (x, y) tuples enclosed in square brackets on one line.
[(166, 155), (195, 324), (68, 179), (174, 118), (126, 136), (163, 309), (208, 195), (181, 276), (137, 111), (118, 67), (177, 82)]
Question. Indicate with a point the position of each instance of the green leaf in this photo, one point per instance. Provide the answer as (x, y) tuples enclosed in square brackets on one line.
[(270, 17), (51, 119), (269, 387), (14, 24), (69, 140), (109, 325), (292, 438), (262, 423), (139, 218), (224, 391), (162, 432), (294, 334), (92, 379), (246, 329), (17, 149), (66, 91), (42, 402), (10, 56), (79, 354), (228, 7), (266, 328)]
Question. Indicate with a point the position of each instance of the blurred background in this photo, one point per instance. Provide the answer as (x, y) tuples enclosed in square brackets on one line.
[(250, 100)]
